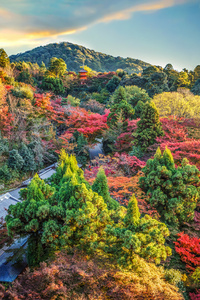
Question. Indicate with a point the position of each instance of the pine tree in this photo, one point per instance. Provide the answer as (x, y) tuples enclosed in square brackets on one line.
[(81, 150), (32, 216), (15, 161), (133, 214), (137, 236), (120, 107), (29, 161), (149, 127), (172, 191), (100, 186)]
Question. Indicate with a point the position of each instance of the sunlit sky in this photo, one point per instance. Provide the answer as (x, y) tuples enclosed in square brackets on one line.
[(155, 31)]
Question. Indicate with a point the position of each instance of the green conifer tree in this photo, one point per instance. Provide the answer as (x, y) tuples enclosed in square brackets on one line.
[(29, 161), (120, 107), (100, 186), (32, 216), (81, 150), (137, 236), (15, 161), (133, 214), (149, 127), (172, 191)]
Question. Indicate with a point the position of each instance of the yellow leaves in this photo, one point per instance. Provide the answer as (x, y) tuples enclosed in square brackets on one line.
[(179, 104)]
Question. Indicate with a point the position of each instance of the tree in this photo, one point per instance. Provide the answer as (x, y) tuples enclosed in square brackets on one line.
[(196, 87), (6, 120), (197, 72), (91, 125), (86, 214), (157, 83), (57, 66), (143, 236), (15, 161), (25, 77), (149, 127), (172, 191), (168, 67), (132, 217), (81, 148), (182, 104), (73, 101), (150, 71), (28, 157), (136, 97), (120, 107), (182, 80), (100, 186), (35, 216), (53, 84), (66, 213), (4, 59), (113, 84)]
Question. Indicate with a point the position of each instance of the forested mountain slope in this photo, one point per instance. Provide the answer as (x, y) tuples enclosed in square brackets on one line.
[(73, 55)]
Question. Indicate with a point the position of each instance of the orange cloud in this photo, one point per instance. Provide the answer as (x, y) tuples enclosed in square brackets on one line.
[(127, 13)]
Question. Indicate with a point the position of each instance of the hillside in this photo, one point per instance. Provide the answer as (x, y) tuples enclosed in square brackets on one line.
[(73, 55)]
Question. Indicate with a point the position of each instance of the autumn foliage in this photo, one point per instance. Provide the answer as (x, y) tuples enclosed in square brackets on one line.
[(91, 125), (76, 277), (6, 119), (189, 250)]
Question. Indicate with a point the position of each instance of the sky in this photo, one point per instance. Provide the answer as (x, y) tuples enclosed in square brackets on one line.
[(155, 31)]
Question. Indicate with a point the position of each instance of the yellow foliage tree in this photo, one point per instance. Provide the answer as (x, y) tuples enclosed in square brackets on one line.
[(181, 104)]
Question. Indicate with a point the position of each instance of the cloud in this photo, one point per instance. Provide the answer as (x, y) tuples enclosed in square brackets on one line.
[(23, 21), (147, 7)]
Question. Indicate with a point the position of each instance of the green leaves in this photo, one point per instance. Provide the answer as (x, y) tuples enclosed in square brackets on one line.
[(149, 126), (143, 236), (120, 108), (171, 191)]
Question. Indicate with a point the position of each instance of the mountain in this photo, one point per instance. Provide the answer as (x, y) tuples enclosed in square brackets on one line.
[(74, 54)]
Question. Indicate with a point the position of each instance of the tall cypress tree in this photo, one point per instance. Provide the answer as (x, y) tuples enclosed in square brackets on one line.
[(149, 127), (133, 214), (121, 108), (100, 186)]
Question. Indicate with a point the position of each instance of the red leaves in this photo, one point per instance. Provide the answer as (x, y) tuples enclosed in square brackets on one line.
[(89, 124), (5, 121), (174, 131), (130, 164), (189, 250), (52, 109), (194, 296), (123, 142), (177, 141)]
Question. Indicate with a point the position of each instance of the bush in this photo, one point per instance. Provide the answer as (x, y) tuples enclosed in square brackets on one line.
[(73, 101), (94, 106), (173, 276), (23, 92), (5, 173)]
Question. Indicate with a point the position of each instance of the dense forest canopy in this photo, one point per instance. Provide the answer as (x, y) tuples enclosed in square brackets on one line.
[(73, 55)]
